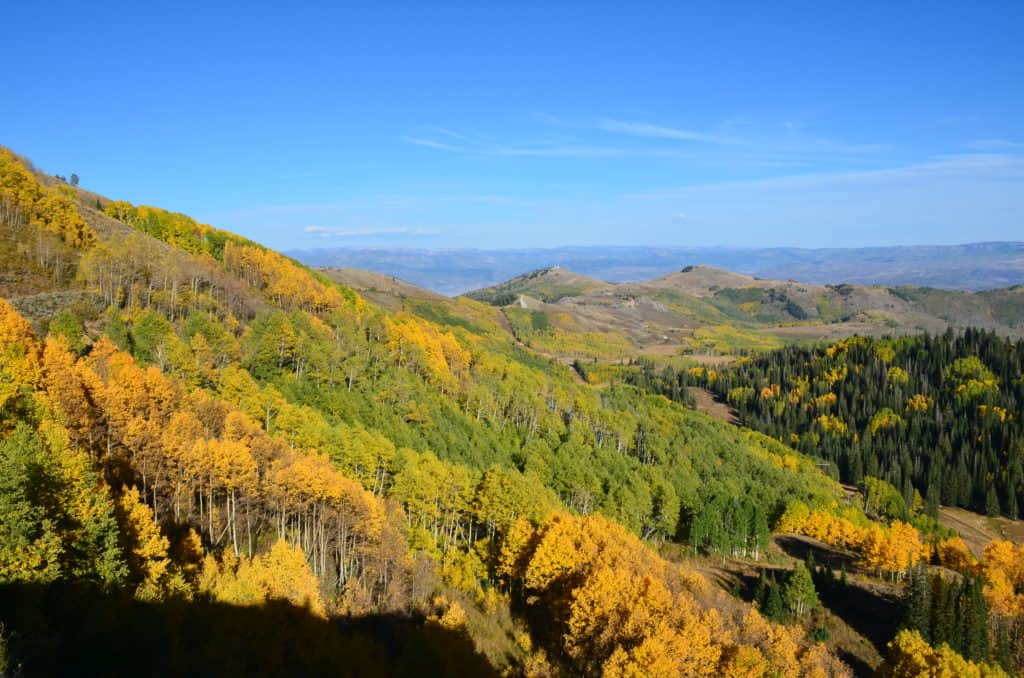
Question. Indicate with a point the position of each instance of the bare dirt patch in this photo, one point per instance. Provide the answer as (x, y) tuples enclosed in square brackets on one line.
[(978, 530), (709, 404), (712, 360)]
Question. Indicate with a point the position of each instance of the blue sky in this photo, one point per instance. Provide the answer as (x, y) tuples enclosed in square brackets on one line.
[(531, 124)]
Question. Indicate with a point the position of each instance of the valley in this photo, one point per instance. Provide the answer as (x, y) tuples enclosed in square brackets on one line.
[(553, 476)]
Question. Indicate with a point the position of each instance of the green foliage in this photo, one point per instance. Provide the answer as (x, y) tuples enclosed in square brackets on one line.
[(883, 501), (734, 526), (116, 329), (67, 324), (539, 321), (731, 339), (558, 334), (936, 414), (56, 518), (774, 608), (286, 407), (546, 284), (799, 594), (442, 315), (951, 612), (149, 335)]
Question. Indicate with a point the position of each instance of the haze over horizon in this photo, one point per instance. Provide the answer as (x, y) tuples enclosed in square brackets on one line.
[(537, 126)]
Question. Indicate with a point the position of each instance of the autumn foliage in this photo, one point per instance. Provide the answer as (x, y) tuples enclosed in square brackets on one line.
[(892, 549), (620, 610), (910, 656)]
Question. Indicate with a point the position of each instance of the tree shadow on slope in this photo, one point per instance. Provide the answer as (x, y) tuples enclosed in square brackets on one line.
[(76, 630), (872, 610)]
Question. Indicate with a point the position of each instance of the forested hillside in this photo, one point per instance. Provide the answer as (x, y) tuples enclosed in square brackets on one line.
[(939, 415), (211, 455)]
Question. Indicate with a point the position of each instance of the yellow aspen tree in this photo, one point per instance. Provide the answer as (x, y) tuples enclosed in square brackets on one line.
[(145, 546)]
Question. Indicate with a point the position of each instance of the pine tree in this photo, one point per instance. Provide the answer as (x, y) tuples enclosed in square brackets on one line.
[(917, 604), (1004, 649), (975, 621), (938, 623), (810, 562), (773, 605), (761, 590), (992, 501)]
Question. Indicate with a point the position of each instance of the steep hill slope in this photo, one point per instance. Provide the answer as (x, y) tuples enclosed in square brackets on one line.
[(191, 416)]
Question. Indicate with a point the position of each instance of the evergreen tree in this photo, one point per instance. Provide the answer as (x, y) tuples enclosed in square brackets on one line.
[(992, 501), (761, 590), (939, 624), (1004, 649), (917, 604), (974, 613), (774, 608)]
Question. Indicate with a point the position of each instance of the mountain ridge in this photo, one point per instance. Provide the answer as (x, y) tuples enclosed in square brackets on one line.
[(455, 271)]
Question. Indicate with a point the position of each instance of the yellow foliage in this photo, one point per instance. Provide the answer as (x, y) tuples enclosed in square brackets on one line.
[(894, 549), (910, 656), (994, 411), (19, 355), (831, 424), (954, 554), (919, 403), (514, 549), (1003, 566), (282, 574), (627, 612), (885, 353), (146, 545), (884, 419), (897, 375), (825, 401), (284, 281), (421, 345), (23, 200), (454, 617), (836, 374), (745, 661), (706, 373)]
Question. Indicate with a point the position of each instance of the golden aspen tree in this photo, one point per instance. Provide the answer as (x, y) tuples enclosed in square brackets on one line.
[(145, 545), (19, 358), (954, 554)]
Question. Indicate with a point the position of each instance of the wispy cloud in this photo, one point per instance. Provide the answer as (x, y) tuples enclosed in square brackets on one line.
[(560, 151), (428, 143), (615, 137), (995, 145), (337, 232), (972, 165), (648, 130), (542, 149), (817, 145)]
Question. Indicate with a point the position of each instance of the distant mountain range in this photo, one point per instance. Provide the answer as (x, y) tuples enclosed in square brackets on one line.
[(975, 266)]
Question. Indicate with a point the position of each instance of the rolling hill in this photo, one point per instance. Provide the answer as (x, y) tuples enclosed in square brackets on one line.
[(705, 310)]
